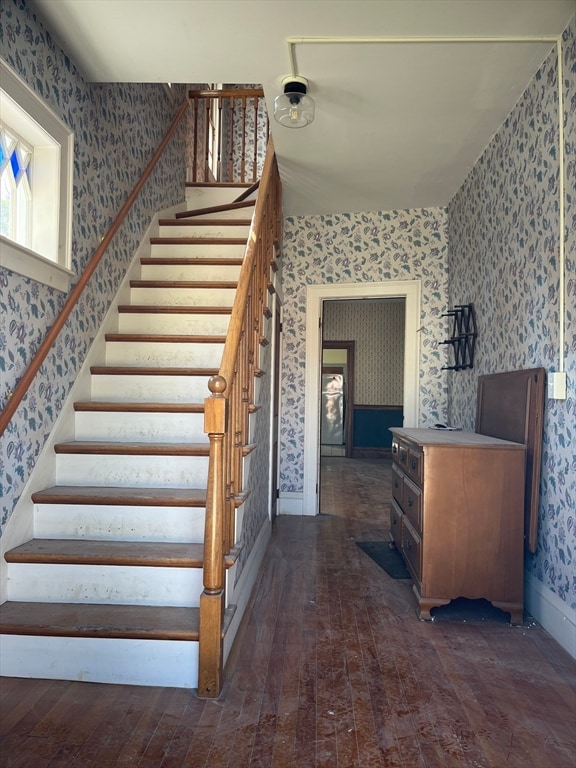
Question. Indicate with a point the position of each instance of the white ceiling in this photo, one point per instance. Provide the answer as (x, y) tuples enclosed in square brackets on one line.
[(397, 125)]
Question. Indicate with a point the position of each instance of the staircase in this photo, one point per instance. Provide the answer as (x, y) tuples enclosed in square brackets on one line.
[(109, 587)]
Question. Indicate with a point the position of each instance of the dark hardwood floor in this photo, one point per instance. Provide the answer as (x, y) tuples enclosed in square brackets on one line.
[(331, 669)]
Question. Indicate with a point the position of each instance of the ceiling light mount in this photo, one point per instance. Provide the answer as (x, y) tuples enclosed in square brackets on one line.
[(294, 108)]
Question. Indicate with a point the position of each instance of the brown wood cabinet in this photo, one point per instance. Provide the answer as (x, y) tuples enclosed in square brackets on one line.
[(457, 516)]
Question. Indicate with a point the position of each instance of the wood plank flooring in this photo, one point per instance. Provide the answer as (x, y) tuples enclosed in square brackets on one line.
[(331, 669)]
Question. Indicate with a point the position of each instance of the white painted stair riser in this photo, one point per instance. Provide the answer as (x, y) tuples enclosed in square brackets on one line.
[(172, 663), (205, 197), (160, 354), (206, 230), (112, 584), (200, 324), (191, 272), (140, 427), (149, 389), (197, 251), (132, 471), (168, 296), (119, 523)]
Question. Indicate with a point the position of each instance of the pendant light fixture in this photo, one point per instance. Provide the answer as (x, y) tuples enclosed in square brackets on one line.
[(294, 108)]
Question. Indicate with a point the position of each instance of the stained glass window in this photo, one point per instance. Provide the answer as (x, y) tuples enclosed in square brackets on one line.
[(15, 187)]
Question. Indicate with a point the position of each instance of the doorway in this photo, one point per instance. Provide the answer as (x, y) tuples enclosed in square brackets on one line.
[(316, 296)]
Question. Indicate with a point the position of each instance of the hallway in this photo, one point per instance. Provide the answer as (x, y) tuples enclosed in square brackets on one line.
[(331, 669)]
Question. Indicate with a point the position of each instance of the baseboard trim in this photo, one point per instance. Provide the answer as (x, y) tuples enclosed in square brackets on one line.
[(290, 504), (552, 613), (240, 594)]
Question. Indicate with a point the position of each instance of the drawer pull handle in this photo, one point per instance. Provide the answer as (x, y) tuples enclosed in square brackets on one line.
[(408, 545), (394, 448), (413, 463), (396, 484), (402, 456), (394, 521), (410, 501)]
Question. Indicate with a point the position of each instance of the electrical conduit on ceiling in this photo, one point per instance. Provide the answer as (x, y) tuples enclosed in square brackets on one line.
[(556, 40)]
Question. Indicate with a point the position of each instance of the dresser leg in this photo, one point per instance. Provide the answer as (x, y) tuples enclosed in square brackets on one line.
[(425, 604), (516, 611)]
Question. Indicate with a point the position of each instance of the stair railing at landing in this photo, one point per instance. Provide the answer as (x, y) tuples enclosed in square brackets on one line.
[(231, 130), (25, 382), (226, 419)]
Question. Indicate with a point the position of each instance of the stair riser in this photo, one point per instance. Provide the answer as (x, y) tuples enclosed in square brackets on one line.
[(183, 297), (150, 389), (204, 197), (141, 427), (128, 662), (164, 355), (119, 585), (203, 325), (132, 471), (197, 251), (115, 523), (189, 230), (190, 272)]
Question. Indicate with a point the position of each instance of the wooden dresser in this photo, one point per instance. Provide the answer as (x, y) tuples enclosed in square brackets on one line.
[(457, 516)]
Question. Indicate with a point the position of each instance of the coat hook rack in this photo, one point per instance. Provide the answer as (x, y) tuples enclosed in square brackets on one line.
[(463, 339)]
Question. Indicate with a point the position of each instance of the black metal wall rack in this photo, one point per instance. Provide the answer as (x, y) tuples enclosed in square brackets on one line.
[(463, 339)]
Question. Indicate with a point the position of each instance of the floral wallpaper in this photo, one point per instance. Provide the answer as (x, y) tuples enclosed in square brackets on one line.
[(360, 248), (377, 328), (503, 246), (117, 128)]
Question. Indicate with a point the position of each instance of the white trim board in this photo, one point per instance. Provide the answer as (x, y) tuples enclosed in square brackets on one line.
[(552, 613), (410, 290)]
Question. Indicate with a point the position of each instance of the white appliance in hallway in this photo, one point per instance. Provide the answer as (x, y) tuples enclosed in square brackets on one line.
[(332, 407)]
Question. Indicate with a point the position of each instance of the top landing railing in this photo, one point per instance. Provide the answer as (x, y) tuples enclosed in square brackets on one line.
[(231, 131)]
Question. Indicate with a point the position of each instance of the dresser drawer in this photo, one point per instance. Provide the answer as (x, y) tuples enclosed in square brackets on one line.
[(396, 525), (412, 504), (412, 549), (397, 484), (415, 465), (400, 453)]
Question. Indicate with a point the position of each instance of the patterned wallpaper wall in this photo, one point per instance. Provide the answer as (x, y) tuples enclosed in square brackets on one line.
[(503, 245), (360, 248), (117, 128), (377, 328)]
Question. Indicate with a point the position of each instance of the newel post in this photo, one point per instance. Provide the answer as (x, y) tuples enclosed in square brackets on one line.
[(212, 600)]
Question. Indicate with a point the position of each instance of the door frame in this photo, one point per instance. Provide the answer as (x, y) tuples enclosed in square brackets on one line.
[(410, 290), (349, 346)]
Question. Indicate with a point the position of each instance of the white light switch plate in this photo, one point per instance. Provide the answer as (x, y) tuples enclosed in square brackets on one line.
[(557, 385)]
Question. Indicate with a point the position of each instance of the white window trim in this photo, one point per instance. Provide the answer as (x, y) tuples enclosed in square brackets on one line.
[(13, 256)]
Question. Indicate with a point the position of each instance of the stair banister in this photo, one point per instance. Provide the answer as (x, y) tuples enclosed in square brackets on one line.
[(23, 385), (226, 422)]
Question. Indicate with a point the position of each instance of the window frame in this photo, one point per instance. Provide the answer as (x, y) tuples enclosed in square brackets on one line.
[(55, 272)]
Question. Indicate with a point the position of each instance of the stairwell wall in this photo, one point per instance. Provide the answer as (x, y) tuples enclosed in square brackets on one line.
[(117, 128)]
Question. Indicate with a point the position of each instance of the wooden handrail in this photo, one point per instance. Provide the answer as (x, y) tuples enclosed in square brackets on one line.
[(23, 385), (235, 327)]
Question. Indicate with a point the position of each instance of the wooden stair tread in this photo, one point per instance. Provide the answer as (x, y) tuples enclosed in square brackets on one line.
[(87, 552), (184, 284), (174, 310), (167, 338), (205, 222), (198, 240), (102, 448), (191, 261), (101, 552), (116, 407), (95, 620), (118, 370), (122, 497)]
